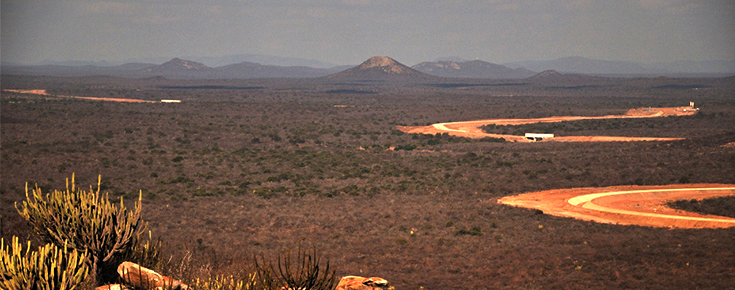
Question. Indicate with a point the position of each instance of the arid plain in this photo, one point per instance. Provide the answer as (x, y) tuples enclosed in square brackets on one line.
[(243, 167)]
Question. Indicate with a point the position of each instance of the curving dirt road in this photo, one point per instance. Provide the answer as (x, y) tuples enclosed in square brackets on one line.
[(44, 93), (471, 129), (628, 205)]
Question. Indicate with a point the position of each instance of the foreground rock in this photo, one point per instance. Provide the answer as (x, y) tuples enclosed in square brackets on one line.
[(144, 278), (112, 287), (362, 283)]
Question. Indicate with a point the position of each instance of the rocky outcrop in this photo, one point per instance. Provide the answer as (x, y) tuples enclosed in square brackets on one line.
[(143, 278), (362, 283)]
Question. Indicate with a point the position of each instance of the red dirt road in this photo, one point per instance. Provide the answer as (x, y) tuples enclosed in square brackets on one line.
[(628, 205), (44, 93), (471, 129)]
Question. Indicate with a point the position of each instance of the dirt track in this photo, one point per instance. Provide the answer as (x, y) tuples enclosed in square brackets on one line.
[(628, 205), (471, 129), (44, 93)]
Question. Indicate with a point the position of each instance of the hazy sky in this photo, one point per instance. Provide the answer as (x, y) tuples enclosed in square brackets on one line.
[(350, 31)]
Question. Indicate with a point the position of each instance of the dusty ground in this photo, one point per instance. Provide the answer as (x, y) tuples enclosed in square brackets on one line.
[(46, 94), (471, 129), (628, 205)]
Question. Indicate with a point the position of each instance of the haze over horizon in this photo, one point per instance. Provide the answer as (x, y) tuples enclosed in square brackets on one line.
[(350, 31)]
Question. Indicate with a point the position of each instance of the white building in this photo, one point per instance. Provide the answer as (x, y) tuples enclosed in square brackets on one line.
[(538, 136)]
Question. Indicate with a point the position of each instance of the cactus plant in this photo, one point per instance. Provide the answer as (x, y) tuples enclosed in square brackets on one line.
[(148, 253), (307, 273), (50, 267), (87, 221)]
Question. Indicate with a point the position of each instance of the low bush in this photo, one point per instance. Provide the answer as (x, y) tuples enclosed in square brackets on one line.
[(474, 231)]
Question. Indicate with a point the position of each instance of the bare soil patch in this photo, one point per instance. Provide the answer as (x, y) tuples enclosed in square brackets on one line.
[(46, 94), (629, 205), (471, 129)]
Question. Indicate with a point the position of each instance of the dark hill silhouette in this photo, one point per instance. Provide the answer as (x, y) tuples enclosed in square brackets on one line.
[(547, 74), (472, 69), (582, 65), (555, 79), (178, 64)]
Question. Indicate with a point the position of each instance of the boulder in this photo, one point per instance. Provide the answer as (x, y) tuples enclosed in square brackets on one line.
[(144, 278), (112, 287), (362, 283)]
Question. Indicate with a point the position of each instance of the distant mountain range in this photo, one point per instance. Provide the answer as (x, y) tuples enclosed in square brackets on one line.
[(262, 59), (381, 68), (176, 69), (375, 68), (209, 61)]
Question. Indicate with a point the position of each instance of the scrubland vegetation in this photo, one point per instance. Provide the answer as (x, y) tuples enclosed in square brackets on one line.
[(723, 206), (251, 168)]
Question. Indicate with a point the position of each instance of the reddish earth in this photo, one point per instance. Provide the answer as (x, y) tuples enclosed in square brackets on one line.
[(44, 93), (628, 205), (471, 129), (362, 283)]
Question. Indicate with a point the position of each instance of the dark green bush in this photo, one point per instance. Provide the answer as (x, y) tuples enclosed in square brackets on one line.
[(474, 231)]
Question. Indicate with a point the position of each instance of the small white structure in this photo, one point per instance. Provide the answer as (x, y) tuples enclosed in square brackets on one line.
[(538, 136), (170, 101), (691, 108)]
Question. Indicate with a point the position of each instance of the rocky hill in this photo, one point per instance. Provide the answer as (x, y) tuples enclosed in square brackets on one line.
[(381, 68), (178, 68), (568, 80), (472, 69)]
